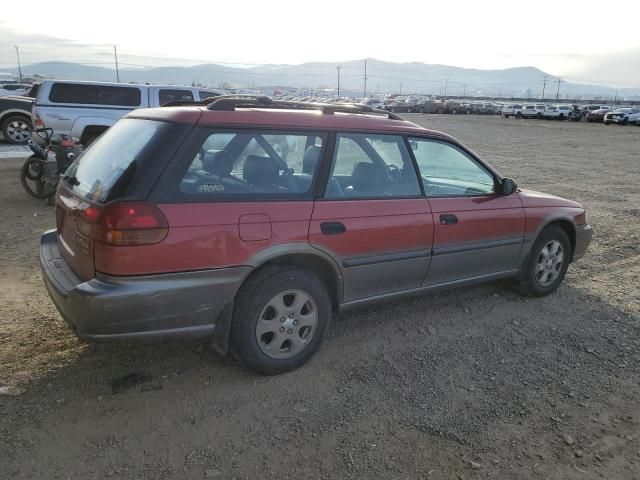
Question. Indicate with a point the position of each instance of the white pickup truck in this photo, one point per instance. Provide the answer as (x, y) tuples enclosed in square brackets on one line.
[(86, 109)]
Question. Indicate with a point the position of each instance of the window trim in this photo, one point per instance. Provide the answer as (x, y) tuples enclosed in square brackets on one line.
[(167, 190), (328, 165), (466, 152)]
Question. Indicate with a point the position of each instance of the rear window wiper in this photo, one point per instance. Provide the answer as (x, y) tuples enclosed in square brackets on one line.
[(71, 180)]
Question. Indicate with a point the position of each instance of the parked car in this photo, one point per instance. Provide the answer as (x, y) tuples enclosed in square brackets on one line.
[(15, 119), (512, 110), (634, 119), (558, 112), (532, 111), (620, 116), (590, 108), (481, 108), (85, 110), (426, 105), (187, 221), (597, 115), (16, 89), (373, 103)]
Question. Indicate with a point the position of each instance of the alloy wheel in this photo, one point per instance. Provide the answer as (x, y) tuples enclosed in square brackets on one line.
[(286, 324), (549, 263)]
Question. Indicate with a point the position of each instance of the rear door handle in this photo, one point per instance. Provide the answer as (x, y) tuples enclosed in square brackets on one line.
[(448, 219), (332, 228)]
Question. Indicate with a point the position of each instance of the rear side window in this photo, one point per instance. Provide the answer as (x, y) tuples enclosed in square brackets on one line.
[(175, 95), (94, 94), (371, 166), (204, 94), (113, 160), (250, 163)]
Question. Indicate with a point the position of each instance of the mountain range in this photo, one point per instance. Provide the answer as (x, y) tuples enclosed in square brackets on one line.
[(384, 77)]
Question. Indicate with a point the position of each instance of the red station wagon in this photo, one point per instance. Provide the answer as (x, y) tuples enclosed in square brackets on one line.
[(252, 221)]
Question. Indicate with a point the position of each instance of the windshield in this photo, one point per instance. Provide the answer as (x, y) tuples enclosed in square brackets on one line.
[(112, 158)]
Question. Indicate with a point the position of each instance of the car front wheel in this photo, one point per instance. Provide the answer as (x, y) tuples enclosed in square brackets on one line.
[(280, 316), (548, 262)]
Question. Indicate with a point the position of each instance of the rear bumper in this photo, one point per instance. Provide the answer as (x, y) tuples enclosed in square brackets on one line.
[(140, 307), (584, 233)]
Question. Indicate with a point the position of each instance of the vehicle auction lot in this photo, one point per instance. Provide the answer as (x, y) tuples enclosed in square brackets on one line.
[(471, 383)]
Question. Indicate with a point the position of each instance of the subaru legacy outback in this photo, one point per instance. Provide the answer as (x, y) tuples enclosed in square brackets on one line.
[(253, 221)]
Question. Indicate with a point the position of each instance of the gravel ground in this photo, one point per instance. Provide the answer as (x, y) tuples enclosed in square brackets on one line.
[(472, 383)]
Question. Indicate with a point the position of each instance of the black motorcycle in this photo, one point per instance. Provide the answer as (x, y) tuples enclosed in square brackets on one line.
[(41, 172)]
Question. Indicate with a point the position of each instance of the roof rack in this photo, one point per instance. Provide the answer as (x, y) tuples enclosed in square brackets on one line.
[(230, 103)]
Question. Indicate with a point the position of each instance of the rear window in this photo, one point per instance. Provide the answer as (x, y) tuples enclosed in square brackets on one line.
[(175, 95), (204, 94), (111, 161), (94, 94)]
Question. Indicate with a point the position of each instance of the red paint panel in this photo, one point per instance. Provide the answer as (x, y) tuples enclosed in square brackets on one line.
[(203, 236), (536, 218), (374, 226), (479, 218)]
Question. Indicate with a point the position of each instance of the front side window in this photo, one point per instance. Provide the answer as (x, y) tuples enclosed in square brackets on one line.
[(449, 172), (262, 163), (175, 95), (371, 166)]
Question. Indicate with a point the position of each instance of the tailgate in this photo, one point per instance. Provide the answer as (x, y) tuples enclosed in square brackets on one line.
[(73, 234)]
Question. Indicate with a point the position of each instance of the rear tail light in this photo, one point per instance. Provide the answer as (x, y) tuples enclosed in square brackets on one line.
[(126, 223), (37, 121)]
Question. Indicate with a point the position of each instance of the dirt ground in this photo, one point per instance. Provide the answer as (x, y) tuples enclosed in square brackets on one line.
[(472, 383)]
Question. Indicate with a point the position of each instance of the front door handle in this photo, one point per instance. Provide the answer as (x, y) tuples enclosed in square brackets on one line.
[(332, 228), (448, 219)]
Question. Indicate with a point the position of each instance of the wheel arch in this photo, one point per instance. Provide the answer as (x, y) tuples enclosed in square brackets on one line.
[(298, 254), (15, 113)]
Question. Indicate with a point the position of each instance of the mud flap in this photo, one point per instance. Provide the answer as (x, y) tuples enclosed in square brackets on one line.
[(220, 338)]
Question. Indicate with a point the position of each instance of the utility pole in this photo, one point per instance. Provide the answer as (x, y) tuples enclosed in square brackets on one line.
[(464, 89), (615, 100), (365, 78), (446, 82), (115, 54), (19, 66), (558, 91), (544, 86), (400, 92), (338, 68)]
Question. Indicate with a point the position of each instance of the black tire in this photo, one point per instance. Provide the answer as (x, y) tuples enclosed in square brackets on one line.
[(505, 116), (36, 188), (251, 301), (561, 116), (607, 123), (17, 121), (518, 115), (529, 283)]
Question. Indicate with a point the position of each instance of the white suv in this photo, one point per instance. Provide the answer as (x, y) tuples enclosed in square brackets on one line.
[(512, 110), (532, 111), (559, 112), (86, 109)]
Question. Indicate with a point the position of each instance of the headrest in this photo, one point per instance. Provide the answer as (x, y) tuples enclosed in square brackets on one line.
[(369, 176), (311, 158), (218, 163), (260, 170)]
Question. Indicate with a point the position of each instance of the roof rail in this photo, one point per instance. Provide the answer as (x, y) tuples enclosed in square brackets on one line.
[(233, 102)]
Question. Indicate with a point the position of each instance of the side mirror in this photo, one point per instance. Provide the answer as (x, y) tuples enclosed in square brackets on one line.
[(508, 186)]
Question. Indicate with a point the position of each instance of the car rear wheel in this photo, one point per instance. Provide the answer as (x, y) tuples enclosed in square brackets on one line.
[(17, 130), (280, 317), (548, 262)]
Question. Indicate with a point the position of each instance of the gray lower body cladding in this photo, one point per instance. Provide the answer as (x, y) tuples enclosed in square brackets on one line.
[(122, 308)]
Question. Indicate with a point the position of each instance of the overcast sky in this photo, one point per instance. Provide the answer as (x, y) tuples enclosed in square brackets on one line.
[(583, 41)]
